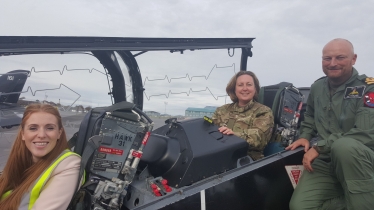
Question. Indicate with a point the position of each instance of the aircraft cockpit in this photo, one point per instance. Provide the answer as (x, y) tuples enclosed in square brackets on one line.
[(144, 104)]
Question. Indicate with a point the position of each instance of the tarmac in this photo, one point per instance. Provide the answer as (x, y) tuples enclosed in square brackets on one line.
[(71, 122)]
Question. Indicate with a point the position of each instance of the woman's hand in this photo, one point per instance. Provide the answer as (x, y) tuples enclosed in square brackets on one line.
[(225, 130)]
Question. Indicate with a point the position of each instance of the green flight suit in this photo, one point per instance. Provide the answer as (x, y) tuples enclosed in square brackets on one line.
[(343, 176)]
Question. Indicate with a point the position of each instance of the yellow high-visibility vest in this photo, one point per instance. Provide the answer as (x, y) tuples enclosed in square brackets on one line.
[(29, 199)]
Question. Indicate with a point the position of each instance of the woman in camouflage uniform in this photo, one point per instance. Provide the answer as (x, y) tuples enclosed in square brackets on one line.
[(246, 118)]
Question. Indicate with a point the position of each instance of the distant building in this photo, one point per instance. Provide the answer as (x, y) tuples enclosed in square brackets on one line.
[(152, 113), (24, 102), (49, 102), (200, 112), (79, 108)]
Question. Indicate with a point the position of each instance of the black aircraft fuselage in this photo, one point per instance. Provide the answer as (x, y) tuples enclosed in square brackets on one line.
[(11, 85)]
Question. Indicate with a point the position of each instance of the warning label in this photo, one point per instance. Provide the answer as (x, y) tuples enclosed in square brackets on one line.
[(137, 154), (288, 110), (294, 172), (111, 151), (106, 165)]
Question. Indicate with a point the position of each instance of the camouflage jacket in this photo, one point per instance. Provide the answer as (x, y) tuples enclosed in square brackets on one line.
[(253, 123)]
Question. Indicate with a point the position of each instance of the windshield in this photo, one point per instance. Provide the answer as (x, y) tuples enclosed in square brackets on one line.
[(174, 82), (182, 85), (73, 83)]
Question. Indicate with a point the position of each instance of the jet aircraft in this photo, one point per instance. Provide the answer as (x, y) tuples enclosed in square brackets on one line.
[(204, 169), (11, 85)]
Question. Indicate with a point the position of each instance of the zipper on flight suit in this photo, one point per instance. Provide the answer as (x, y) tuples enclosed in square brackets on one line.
[(329, 108)]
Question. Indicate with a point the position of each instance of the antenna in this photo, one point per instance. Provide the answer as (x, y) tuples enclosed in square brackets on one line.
[(166, 103)]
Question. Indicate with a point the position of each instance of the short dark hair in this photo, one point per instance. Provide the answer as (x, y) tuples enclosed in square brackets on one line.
[(230, 89)]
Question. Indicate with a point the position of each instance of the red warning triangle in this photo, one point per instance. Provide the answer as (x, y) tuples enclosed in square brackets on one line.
[(294, 172), (296, 175)]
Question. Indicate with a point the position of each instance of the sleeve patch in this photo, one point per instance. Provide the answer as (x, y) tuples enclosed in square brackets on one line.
[(369, 99), (354, 92)]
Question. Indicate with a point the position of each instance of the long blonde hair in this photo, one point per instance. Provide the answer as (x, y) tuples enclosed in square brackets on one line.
[(20, 172)]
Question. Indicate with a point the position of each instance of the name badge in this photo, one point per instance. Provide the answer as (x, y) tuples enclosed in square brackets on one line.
[(354, 92)]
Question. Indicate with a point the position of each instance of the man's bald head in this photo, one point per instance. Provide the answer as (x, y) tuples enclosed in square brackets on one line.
[(342, 42), (338, 59)]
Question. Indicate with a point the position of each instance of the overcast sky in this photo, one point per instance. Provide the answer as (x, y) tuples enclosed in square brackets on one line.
[(290, 35)]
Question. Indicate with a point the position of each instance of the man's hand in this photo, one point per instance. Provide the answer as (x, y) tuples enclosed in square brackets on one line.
[(225, 130), (300, 142), (309, 158)]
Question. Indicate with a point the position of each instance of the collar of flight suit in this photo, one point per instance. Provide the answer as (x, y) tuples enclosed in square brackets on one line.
[(343, 86)]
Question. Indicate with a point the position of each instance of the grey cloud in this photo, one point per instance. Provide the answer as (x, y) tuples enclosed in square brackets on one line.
[(289, 36)]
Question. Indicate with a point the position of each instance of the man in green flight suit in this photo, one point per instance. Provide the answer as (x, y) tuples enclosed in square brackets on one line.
[(340, 112)]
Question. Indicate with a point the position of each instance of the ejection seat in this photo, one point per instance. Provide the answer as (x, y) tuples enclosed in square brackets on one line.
[(273, 96)]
